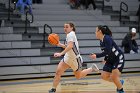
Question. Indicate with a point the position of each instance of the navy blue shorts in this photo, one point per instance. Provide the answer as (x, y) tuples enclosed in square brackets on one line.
[(114, 63)]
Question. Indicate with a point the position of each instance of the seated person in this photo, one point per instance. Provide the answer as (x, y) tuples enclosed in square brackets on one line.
[(74, 4), (86, 3), (129, 42), (23, 4)]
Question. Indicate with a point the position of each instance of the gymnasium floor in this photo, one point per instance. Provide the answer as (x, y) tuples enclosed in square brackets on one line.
[(90, 84)]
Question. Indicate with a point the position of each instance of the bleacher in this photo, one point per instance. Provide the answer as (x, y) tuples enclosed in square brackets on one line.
[(22, 54)]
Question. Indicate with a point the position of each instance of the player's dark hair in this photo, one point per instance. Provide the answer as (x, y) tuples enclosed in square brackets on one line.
[(105, 30)]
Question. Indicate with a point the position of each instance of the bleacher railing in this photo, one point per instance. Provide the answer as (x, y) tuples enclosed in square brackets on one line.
[(27, 20), (15, 5), (103, 5), (45, 33), (9, 9), (121, 9), (138, 14), (139, 25)]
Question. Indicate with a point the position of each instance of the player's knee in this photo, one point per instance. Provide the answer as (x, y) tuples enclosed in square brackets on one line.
[(104, 77), (78, 76), (58, 73), (114, 77)]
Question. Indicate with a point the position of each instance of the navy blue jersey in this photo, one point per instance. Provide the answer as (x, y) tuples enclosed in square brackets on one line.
[(110, 50)]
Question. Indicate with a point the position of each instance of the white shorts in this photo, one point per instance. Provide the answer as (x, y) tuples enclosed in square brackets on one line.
[(74, 63)]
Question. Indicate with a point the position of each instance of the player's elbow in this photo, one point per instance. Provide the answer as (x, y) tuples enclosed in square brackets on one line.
[(70, 45)]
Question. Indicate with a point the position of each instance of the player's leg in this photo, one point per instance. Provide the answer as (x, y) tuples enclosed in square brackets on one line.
[(106, 76), (106, 73), (82, 73), (116, 72), (116, 79), (62, 66)]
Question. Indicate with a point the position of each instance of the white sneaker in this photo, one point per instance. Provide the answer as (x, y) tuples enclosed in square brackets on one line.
[(132, 52), (94, 68)]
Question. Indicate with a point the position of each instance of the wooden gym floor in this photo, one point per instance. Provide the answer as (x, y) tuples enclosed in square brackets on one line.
[(90, 84)]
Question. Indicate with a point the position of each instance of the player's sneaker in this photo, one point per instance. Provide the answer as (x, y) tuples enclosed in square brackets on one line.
[(122, 82), (120, 91), (52, 90), (94, 68)]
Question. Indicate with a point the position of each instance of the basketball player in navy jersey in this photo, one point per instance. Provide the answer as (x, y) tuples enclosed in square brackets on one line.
[(72, 58), (114, 57)]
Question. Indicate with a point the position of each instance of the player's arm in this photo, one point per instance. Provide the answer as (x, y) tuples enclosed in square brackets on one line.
[(107, 50), (69, 47), (61, 45)]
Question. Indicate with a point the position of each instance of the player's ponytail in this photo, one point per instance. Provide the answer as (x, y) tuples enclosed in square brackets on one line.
[(105, 30)]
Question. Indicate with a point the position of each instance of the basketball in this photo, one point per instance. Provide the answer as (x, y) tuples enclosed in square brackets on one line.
[(53, 39)]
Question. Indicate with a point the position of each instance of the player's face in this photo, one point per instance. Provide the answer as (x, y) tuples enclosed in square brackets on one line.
[(97, 33), (67, 28)]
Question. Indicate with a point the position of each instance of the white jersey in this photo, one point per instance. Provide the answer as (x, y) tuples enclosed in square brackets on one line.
[(74, 52), (72, 57)]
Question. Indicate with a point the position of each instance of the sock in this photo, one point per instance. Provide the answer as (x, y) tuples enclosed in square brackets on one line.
[(120, 89)]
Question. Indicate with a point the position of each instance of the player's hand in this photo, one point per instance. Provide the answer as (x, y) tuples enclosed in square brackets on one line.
[(57, 54), (93, 56), (59, 43)]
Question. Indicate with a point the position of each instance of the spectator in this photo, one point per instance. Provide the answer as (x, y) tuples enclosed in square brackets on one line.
[(74, 4), (23, 4), (129, 42), (86, 3), (14, 1)]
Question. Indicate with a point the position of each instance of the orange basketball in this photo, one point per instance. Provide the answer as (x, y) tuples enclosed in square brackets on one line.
[(53, 39)]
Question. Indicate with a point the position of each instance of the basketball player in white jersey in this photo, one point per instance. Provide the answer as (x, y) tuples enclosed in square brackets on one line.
[(72, 58)]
